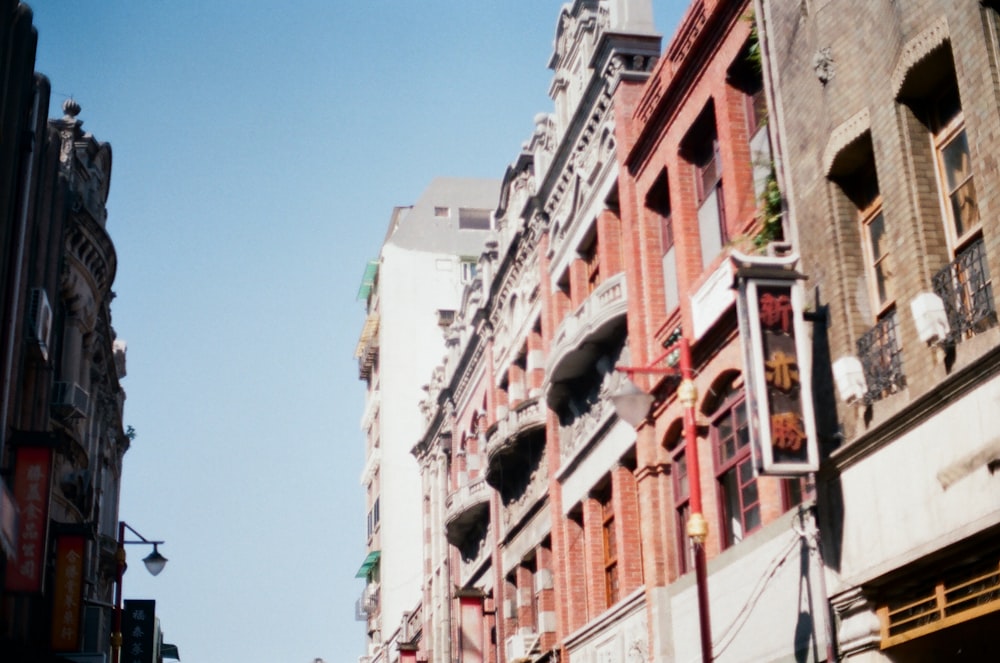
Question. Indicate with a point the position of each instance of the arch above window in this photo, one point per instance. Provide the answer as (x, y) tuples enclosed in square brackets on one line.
[(837, 157), (914, 52)]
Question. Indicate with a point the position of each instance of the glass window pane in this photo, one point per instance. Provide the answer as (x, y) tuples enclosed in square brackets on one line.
[(752, 518), (750, 494), (956, 161), (964, 209), (877, 236)]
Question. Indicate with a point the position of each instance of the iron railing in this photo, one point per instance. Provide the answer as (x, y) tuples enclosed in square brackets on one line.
[(879, 352), (965, 288)]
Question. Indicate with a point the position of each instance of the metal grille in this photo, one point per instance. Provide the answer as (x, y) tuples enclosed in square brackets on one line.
[(965, 288), (878, 350)]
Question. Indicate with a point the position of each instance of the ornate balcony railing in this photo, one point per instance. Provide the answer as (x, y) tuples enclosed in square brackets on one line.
[(519, 420), (602, 311), (879, 352), (965, 287), (465, 510)]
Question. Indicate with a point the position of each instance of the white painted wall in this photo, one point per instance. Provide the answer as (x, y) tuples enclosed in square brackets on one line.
[(413, 285)]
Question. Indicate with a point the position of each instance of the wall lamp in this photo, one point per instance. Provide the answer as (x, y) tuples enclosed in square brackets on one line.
[(154, 562), (632, 406)]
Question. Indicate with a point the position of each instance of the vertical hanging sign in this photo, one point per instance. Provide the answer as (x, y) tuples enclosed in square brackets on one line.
[(32, 474), (778, 366), (67, 593), (139, 631)]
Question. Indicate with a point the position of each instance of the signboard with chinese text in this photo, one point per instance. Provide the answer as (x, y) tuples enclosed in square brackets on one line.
[(139, 631), (778, 368), (32, 473), (67, 593)]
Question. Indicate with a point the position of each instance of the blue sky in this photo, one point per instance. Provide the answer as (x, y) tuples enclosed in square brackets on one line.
[(258, 150)]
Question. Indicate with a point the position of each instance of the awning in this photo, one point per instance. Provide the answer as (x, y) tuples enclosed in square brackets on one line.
[(368, 280), (169, 651), (370, 561)]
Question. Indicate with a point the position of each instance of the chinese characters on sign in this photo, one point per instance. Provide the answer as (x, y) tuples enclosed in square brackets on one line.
[(138, 631), (779, 393), (32, 470), (782, 375), (67, 593)]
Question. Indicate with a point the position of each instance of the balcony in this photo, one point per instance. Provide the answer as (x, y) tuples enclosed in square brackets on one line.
[(965, 288), (466, 511), (878, 350), (503, 436), (578, 339)]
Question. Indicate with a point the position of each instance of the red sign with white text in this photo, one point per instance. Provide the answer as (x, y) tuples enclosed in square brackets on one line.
[(32, 474), (67, 593)]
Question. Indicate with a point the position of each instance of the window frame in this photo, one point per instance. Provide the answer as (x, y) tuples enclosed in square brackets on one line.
[(609, 540), (941, 139), (873, 262), (741, 459), (682, 508)]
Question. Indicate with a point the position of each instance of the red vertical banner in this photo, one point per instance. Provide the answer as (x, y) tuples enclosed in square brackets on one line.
[(32, 476), (67, 595)]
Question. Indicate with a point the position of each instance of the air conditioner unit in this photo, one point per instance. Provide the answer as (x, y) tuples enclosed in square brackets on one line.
[(520, 647), (69, 400), (39, 322)]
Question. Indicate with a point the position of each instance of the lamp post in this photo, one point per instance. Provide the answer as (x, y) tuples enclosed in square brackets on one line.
[(154, 562), (632, 405)]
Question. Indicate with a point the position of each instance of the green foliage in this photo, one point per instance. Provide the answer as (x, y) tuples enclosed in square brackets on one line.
[(130, 433), (770, 213), (753, 51)]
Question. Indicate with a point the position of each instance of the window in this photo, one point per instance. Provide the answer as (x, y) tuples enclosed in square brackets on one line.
[(658, 203), (740, 501), (473, 219), (442, 212), (964, 285), (610, 549), (951, 148), (704, 154), (682, 508), (878, 348), (373, 518), (469, 269), (878, 262)]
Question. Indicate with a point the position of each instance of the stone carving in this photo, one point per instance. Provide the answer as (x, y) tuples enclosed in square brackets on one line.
[(823, 65)]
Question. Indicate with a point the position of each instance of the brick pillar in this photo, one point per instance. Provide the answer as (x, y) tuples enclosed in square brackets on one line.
[(609, 245), (509, 607), (544, 589), (515, 375), (502, 404), (525, 581), (573, 603), (593, 534), (536, 364), (578, 288), (470, 649), (625, 500)]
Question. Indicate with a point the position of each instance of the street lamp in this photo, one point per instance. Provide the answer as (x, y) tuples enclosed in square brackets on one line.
[(154, 562), (632, 405)]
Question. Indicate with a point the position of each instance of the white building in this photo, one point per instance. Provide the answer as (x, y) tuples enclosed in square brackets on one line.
[(430, 252)]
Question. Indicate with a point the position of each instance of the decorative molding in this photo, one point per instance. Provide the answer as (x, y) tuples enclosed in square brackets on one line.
[(849, 131), (917, 49)]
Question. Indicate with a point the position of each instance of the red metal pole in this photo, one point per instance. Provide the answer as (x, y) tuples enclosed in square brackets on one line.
[(116, 634), (697, 527)]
